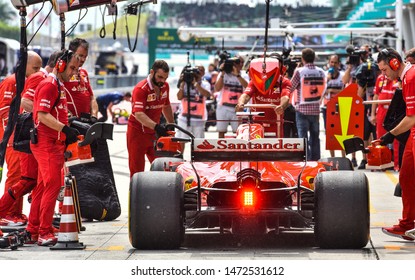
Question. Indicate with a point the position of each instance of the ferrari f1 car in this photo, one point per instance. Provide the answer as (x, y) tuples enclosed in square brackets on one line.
[(247, 185)]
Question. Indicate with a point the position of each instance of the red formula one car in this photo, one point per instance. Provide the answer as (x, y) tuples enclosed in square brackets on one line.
[(247, 185)]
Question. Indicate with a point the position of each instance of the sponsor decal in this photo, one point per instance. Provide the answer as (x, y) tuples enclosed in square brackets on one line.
[(151, 97), (256, 145)]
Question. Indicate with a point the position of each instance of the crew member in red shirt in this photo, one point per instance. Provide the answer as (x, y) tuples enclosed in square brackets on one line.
[(150, 99), (12, 216), (50, 116), (28, 164), (80, 96), (278, 95)]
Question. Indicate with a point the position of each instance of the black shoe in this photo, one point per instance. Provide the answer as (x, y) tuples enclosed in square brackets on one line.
[(354, 162), (362, 164)]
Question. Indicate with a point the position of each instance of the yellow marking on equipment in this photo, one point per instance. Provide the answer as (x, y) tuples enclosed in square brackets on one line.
[(345, 107), (109, 248)]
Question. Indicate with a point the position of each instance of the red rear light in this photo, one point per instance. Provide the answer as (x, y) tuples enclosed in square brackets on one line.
[(248, 198)]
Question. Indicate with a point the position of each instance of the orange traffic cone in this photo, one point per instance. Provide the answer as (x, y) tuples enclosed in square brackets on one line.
[(68, 229)]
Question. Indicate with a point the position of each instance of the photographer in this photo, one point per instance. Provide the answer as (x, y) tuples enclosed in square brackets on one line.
[(361, 69), (366, 74), (193, 92), (230, 84)]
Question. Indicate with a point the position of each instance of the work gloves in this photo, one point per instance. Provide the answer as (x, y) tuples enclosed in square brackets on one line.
[(71, 134), (161, 130), (387, 138)]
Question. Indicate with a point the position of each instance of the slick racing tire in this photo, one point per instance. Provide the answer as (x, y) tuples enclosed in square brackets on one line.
[(341, 210), (339, 163), (161, 163), (156, 218)]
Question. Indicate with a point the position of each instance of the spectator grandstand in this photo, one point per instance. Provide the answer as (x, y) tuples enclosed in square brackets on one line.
[(235, 15)]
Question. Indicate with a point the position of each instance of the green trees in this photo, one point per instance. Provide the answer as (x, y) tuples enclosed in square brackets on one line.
[(8, 15)]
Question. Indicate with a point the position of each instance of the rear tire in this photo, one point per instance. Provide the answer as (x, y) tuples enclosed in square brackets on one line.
[(342, 210), (160, 164), (339, 163), (156, 216)]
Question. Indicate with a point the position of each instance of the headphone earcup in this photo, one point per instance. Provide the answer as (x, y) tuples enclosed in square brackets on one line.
[(60, 65), (394, 64)]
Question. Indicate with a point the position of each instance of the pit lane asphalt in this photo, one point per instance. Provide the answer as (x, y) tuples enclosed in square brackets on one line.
[(109, 240)]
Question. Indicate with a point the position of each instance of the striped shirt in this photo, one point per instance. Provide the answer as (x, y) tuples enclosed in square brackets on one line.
[(305, 108)]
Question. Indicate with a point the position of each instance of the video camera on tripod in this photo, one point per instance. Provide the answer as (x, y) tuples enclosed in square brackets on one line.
[(290, 62), (190, 73), (354, 55), (228, 61)]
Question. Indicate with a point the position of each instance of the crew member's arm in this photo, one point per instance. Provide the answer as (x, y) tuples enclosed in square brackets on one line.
[(27, 104), (94, 107), (50, 121), (285, 96), (285, 100), (145, 120), (372, 118), (168, 113), (243, 99), (406, 124)]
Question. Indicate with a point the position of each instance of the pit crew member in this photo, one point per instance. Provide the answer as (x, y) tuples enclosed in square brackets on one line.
[(391, 65), (50, 115), (150, 99), (28, 164), (279, 95), (80, 96), (12, 215)]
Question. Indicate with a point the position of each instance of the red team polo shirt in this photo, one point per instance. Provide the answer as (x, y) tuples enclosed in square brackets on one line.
[(79, 93), (45, 97), (32, 82), (144, 99), (7, 93), (408, 91), (271, 97)]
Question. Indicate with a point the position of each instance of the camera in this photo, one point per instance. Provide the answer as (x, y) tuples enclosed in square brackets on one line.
[(354, 55), (190, 73), (290, 62), (228, 62), (366, 74)]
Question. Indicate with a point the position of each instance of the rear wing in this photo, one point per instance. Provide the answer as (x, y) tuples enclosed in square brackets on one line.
[(263, 149)]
